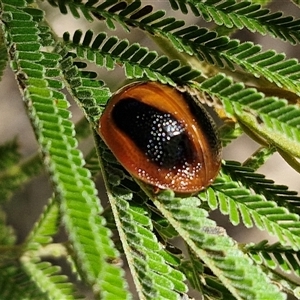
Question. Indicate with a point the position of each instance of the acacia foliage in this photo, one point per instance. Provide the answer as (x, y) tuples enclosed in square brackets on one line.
[(200, 60)]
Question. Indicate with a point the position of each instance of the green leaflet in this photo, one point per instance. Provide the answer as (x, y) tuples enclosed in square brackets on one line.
[(46, 278), (79, 205), (15, 172), (276, 133), (245, 14), (262, 185), (217, 251), (91, 95), (45, 228), (137, 61), (206, 45), (274, 255), (229, 132), (259, 157), (269, 117), (16, 284), (22, 171), (45, 275), (151, 266), (278, 122), (261, 207), (92, 163)]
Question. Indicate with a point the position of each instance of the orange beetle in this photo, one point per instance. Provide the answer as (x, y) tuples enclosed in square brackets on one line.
[(162, 137)]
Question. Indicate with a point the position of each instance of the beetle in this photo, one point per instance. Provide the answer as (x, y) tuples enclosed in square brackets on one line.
[(162, 137)]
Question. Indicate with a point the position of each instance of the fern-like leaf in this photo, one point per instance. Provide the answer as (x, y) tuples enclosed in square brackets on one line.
[(245, 14), (233, 199), (259, 158), (152, 274), (217, 251), (273, 256), (205, 44), (154, 270), (286, 283), (263, 186), (45, 228), (147, 222), (79, 205), (91, 95), (92, 163), (16, 284), (137, 61), (229, 132), (48, 280), (15, 172), (201, 279), (18, 173), (272, 118)]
